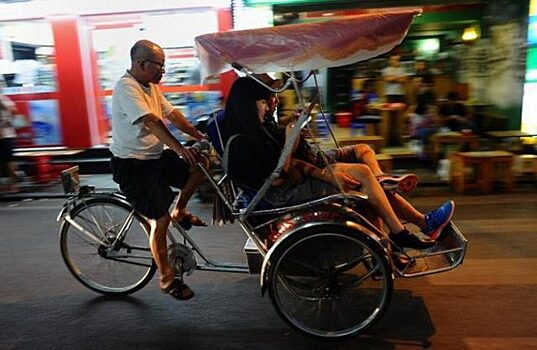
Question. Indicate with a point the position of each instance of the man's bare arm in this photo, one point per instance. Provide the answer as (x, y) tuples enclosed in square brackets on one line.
[(155, 125), (179, 120)]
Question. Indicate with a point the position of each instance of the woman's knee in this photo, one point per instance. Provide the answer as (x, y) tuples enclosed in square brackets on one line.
[(361, 172), (362, 149)]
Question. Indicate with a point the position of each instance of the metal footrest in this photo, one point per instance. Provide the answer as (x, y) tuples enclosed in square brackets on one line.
[(446, 254)]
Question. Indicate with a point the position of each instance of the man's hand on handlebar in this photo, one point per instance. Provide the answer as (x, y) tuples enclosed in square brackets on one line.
[(190, 155)]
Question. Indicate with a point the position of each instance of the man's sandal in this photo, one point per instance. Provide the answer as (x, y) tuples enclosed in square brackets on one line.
[(179, 290), (190, 220)]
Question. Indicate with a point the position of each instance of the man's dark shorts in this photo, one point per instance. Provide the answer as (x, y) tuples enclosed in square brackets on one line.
[(146, 183)]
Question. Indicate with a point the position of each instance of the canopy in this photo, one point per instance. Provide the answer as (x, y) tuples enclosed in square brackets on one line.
[(304, 46)]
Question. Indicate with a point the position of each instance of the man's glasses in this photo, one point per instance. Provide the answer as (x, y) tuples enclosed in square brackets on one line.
[(158, 64)]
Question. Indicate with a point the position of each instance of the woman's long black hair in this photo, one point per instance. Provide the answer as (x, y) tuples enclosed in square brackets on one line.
[(241, 111)]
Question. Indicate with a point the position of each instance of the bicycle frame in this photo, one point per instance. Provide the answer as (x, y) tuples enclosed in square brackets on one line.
[(76, 199)]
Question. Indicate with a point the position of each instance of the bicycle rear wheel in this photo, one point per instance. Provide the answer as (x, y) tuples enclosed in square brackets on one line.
[(330, 282), (90, 251)]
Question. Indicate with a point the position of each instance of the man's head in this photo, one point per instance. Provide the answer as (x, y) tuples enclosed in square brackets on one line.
[(147, 62), (395, 60)]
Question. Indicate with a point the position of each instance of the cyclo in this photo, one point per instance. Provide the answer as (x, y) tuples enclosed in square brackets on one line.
[(328, 270)]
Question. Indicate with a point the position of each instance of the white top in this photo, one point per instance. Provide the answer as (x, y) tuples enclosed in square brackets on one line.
[(393, 88), (131, 100)]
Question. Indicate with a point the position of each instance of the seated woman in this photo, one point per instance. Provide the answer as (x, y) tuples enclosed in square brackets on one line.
[(430, 223), (254, 154), (422, 115), (453, 114)]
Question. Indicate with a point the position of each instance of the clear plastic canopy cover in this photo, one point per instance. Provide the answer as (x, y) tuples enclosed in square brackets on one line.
[(304, 46)]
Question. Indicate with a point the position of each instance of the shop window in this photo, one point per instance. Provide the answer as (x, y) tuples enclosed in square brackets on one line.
[(27, 62)]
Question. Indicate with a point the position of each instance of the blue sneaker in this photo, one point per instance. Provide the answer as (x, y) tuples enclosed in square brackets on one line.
[(438, 219)]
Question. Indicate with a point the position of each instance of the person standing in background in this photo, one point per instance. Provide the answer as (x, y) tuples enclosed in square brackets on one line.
[(7, 139), (394, 80)]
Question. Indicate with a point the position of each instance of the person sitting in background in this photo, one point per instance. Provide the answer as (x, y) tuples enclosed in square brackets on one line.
[(422, 68), (422, 114), (453, 114), (362, 98)]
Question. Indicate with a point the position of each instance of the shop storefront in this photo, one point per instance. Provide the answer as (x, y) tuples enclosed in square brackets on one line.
[(474, 48), (529, 111), (59, 65)]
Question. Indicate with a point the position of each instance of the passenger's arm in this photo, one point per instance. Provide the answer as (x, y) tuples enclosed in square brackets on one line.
[(288, 129), (155, 125), (333, 177)]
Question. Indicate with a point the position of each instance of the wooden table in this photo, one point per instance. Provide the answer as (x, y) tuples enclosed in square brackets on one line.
[(451, 138), (480, 170), (392, 125), (376, 142), (512, 138), (508, 134)]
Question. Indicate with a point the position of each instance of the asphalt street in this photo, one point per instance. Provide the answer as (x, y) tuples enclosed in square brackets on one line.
[(487, 303)]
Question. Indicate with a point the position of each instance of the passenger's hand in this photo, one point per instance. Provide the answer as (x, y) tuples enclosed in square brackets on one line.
[(347, 181), (190, 155), (288, 128)]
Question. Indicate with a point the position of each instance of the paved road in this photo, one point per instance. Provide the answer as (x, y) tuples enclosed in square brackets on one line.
[(488, 303)]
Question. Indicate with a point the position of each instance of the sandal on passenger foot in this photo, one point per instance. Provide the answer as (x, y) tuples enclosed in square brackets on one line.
[(190, 220), (179, 290), (400, 183)]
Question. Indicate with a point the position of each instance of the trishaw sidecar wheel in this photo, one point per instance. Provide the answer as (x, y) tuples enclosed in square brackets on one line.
[(330, 281)]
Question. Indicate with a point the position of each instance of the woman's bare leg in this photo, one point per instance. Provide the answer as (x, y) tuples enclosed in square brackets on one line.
[(404, 210), (376, 194)]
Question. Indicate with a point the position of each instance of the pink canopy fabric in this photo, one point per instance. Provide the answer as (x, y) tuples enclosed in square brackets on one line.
[(305, 46)]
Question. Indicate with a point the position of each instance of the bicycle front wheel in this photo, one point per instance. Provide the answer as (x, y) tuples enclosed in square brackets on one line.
[(105, 245)]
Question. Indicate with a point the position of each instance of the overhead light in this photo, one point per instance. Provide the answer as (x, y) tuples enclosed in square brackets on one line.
[(470, 33)]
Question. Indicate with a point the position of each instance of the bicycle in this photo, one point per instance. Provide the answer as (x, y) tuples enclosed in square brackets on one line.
[(102, 228)]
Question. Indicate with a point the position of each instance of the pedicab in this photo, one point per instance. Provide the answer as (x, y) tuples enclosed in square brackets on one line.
[(327, 268)]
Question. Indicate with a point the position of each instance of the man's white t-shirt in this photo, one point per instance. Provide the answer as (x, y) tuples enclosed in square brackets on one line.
[(131, 100), (394, 88)]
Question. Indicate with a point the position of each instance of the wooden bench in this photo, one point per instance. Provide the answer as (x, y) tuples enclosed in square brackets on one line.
[(375, 141), (480, 170)]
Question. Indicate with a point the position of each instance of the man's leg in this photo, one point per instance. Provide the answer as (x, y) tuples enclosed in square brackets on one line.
[(159, 249), (195, 178)]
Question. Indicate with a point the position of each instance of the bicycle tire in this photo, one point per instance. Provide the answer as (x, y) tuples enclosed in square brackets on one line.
[(330, 282), (120, 271)]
